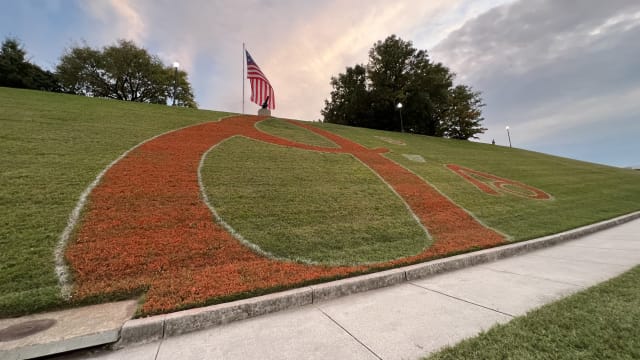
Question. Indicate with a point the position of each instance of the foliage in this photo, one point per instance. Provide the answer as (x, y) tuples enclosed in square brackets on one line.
[(463, 116), (17, 72), (366, 96), (350, 99), (123, 72), (388, 72)]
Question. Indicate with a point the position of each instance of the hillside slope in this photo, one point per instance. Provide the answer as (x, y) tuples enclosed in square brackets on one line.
[(310, 196)]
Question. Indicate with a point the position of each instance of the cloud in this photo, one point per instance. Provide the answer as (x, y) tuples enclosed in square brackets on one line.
[(552, 70), (298, 44), (562, 74), (319, 53), (545, 67), (120, 17)]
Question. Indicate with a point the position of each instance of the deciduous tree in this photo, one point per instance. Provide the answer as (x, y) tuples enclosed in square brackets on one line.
[(463, 117), (367, 96), (349, 103), (124, 72)]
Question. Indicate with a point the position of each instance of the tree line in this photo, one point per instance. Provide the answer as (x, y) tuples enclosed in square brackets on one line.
[(121, 71), (398, 73)]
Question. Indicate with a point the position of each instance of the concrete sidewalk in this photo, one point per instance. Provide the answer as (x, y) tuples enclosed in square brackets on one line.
[(414, 318)]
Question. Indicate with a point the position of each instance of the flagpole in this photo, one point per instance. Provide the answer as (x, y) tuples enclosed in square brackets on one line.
[(243, 52)]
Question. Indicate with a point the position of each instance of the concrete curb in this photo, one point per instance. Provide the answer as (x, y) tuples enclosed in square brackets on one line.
[(71, 329), (356, 284), (141, 331)]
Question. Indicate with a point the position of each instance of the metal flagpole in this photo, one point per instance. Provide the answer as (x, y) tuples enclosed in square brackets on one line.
[(243, 63)]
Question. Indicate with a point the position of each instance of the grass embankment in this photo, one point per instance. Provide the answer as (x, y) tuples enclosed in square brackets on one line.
[(598, 323), (52, 146), (583, 193), (297, 204)]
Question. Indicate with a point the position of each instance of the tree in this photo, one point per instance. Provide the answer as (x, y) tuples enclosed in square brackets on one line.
[(427, 93), (463, 116), (124, 72), (16, 71), (80, 72), (367, 96), (349, 103), (388, 71)]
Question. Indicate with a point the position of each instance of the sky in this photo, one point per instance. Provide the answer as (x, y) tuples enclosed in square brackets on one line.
[(564, 75)]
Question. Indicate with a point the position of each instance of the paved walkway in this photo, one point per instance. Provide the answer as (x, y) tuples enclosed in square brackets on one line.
[(413, 319)]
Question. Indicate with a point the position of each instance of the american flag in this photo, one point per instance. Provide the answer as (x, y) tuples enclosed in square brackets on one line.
[(260, 87)]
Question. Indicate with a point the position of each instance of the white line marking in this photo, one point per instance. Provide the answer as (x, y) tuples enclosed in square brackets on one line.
[(61, 267), (255, 247), (415, 217), (506, 236)]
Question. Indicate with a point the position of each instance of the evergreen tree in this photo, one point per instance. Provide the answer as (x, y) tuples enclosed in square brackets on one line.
[(16, 71)]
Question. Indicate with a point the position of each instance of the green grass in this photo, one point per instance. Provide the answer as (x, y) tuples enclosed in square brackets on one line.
[(52, 146), (584, 193), (297, 204), (306, 205), (598, 323), (286, 130)]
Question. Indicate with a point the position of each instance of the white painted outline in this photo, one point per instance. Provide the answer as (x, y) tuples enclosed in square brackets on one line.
[(390, 140), (256, 248), (293, 122), (253, 246), (501, 182), (338, 147), (61, 267), (417, 158), (406, 205), (507, 237), (429, 241)]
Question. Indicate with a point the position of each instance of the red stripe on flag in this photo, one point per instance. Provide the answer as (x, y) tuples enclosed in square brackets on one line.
[(260, 86)]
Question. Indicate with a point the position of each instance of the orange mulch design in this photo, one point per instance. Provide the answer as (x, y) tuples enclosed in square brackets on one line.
[(147, 228), (496, 185)]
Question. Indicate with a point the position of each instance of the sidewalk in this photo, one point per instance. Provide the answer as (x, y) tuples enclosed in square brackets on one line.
[(412, 319)]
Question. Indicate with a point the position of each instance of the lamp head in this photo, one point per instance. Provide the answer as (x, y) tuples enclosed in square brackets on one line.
[(399, 106), (176, 65)]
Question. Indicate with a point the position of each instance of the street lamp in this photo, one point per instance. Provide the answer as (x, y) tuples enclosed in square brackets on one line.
[(508, 135), (399, 106), (176, 65)]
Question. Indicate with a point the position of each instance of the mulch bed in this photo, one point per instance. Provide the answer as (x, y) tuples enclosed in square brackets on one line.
[(147, 228)]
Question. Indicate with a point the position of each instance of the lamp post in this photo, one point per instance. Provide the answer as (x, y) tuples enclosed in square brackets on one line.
[(508, 135), (399, 106), (176, 65)]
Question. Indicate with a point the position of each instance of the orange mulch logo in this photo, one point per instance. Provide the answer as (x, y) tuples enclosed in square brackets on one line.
[(494, 185), (146, 226)]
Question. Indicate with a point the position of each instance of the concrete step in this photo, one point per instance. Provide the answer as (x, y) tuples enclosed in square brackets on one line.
[(61, 331)]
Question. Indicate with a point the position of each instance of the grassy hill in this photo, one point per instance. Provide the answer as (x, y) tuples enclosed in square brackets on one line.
[(52, 146), (296, 205)]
